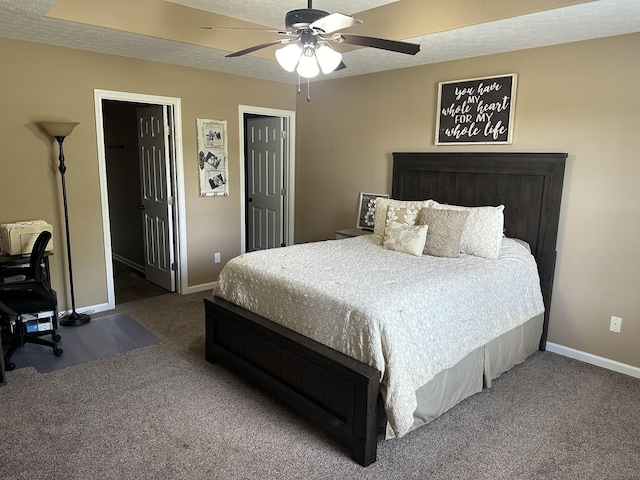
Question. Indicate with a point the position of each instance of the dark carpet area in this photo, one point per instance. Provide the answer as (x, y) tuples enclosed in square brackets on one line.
[(164, 412), (100, 338)]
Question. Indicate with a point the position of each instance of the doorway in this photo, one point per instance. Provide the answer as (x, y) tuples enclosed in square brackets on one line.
[(268, 173), (125, 196), (264, 167)]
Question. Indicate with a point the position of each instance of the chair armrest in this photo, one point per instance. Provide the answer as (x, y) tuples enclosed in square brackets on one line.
[(7, 311)]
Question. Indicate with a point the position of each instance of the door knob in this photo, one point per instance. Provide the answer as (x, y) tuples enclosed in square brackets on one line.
[(141, 207), (250, 200)]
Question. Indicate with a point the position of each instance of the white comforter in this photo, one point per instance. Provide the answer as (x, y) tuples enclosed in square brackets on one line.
[(409, 317)]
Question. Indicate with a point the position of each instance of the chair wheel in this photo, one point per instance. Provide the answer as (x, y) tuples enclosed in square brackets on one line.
[(57, 352), (9, 366), (56, 337)]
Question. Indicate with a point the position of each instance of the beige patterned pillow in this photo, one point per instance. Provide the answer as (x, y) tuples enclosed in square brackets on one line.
[(411, 210), (482, 235), (445, 231), (405, 238)]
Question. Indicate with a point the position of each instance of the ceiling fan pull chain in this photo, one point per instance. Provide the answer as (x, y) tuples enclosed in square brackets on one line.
[(308, 88), (298, 84)]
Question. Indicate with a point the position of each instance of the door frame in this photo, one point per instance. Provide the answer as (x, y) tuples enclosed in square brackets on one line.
[(289, 169), (177, 178)]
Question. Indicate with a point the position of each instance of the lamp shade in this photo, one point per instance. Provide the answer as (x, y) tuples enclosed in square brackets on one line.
[(289, 56), (309, 58), (59, 129), (328, 58), (308, 64)]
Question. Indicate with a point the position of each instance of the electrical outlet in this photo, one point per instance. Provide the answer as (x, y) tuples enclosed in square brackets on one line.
[(616, 324), (216, 257)]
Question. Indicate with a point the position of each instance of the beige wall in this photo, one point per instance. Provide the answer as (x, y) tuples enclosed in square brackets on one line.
[(49, 83), (578, 98)]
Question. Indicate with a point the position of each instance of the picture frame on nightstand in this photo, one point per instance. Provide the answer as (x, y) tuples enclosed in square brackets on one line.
[(367, 210)]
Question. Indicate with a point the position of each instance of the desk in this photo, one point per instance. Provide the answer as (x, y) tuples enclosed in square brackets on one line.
[(11, 261), (16, 293)]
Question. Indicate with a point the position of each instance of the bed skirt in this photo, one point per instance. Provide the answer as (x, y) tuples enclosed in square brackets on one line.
[(475, 371)]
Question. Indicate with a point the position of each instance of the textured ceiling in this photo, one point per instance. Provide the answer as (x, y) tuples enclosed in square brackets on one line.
[(26, 20), (271, 12)]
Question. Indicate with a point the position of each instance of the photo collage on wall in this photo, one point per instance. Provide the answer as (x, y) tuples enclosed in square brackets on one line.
[(212, 157)]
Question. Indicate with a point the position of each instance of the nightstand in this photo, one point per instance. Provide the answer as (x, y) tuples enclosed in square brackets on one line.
[(351, 232)]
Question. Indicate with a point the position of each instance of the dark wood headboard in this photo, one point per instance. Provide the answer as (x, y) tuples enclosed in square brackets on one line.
[(529, 185)]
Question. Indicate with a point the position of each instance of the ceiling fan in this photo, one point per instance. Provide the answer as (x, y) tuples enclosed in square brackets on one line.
[(309, 34)]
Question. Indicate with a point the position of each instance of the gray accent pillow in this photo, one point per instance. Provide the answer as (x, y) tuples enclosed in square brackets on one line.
[(482, 234), (445, 231)]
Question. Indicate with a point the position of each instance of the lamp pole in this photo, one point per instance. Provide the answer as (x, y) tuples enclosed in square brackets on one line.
[(60, 130)]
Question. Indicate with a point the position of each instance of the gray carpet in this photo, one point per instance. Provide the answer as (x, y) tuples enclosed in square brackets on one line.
[(101, 337), (163, 412)]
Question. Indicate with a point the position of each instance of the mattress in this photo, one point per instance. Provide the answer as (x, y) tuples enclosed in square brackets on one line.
[(409, 317)]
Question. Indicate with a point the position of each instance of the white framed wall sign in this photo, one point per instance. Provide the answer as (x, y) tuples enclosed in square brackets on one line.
[(476, 111), (213, 167)]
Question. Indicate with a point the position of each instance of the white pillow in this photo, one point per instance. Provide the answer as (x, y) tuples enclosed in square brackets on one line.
[(482, 234), (412, 208), (405, 238)]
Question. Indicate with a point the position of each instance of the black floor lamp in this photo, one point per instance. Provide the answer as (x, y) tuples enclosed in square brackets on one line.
[(60, 130)]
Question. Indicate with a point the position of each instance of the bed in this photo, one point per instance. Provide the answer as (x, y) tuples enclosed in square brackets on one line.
[(343, 395)]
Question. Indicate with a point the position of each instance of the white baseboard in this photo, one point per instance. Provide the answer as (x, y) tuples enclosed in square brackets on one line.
[(201, 288), (103, 307), (594, 360), (129, 263)]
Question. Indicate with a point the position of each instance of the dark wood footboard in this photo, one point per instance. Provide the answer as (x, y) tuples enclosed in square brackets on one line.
[(332, 390)]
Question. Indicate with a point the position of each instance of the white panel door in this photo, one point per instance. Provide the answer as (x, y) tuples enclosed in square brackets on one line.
[(156, 202), (265, 183)]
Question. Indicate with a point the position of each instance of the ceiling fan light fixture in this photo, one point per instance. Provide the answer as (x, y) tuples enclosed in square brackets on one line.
[(328, 58), (308, 64), (310, 34), (289, 56)]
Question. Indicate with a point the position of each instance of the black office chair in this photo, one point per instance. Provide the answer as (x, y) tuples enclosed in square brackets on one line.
[(32, 295)]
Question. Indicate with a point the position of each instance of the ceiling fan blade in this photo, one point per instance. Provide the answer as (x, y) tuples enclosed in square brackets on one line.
[(334, 22), (210, 27), (382, 43), (340, 67), (255, 47)]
